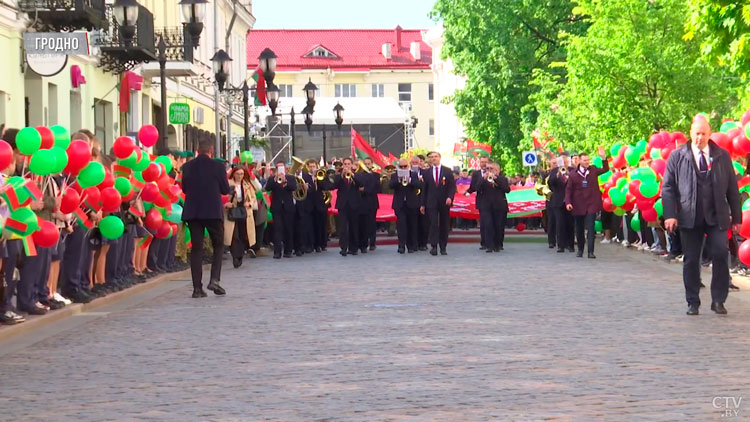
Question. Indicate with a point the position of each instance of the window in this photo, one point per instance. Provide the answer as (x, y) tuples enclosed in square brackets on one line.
[(321, 52), (52, 102), (378, 91), (285, 91), (103, 122), (432, 127), (75, 111), (404, 92), (430, 92), (345, 90)]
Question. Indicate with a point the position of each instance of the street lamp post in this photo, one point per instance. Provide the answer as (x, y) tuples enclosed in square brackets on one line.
[(126, 15)]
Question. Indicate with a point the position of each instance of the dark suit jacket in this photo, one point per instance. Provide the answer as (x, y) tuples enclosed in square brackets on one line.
[(348, 196), (434, 195), (557, 183), (281, 194), (476, 180), (371, 183), (680, 186), (307, 205), (204, 180), (315, 192), (405, 196), (494, 194), (586, 200)]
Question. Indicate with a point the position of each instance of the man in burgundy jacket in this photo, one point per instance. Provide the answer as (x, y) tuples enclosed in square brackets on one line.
[(583, 198)]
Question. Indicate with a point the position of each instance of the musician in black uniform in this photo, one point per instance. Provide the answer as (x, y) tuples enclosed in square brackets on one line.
[(437, 198), (423, 222), (558, 180), (319, 208), (281, 186), (348, 203), (476, 179), (406, 206), (369, 209), (493, 187), (303, 232)]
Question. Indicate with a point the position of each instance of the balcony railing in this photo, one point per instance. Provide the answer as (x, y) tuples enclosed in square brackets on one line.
[(117, 57), (65, 15), (179, 43)]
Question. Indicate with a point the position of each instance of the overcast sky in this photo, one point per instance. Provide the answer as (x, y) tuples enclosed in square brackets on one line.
[(342, 14)]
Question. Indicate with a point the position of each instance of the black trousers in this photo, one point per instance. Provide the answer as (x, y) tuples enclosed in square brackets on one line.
[(71, 268), (423, 229), (406, 223), (563, 227), (34, 274), (551, 225), (692, 244), (587, 222), (14, 260), (366, 227), (348, 230), (373, 228), (216, 233), (440, 220), (240, 241), (283, 232), (154, 251), (113, 259), (498, 228), (320, 228)]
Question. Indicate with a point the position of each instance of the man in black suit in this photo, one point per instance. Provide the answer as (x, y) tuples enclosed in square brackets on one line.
[(303, 221), (204, 181), (563, 220), (700, 198), (369, 209), (319, 209), (493, 187), (437, 198), (348, 203), (281, 186), (406, 206), (423, 222), (477, 177)]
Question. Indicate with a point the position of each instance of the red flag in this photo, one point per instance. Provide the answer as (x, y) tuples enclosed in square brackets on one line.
[(33, 190), (392, 159), (15, 226), (29, 247), (83, 219), (260, 87), (136, 212), (145, 241), (537, 144), (362, 149), (477, 148)]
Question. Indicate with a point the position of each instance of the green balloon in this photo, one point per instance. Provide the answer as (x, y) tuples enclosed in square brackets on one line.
[(111, 227), (246, 157), (598, 226), (28, 140), (727, 126), (131, 161), (166, 161), (597, 161), (656, 153), (649, 189), (635, 223), (147, 206), (644, 174), (746, 205), (605, 177), (139, 177), (27, 217), (632, 156), (91, 175), (42, 162), (123, 186), (641, 146), (176, 215), (621, 183), (61, 159), (738, 167), (62, 136), (659, 207), (143, 163), (617, 196), (614, 150), (619, 212)]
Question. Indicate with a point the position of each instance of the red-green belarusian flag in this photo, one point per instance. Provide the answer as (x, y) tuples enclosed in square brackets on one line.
[(260, 87), (361, 149)]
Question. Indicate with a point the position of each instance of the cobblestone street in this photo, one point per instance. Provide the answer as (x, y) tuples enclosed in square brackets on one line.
[(524, 335)]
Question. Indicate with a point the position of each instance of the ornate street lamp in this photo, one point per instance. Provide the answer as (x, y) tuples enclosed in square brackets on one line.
[(221, 67), (267, 62), (126, 15), (272, 92), (338, 112), (193, 12)]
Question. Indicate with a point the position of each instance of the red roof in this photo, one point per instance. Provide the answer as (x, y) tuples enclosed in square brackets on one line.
[(355, 49)]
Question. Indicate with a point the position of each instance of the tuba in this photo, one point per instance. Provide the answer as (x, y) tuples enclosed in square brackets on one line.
[(363, 168)]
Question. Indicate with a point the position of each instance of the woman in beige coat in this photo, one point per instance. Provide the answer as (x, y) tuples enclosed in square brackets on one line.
[(240, 235)]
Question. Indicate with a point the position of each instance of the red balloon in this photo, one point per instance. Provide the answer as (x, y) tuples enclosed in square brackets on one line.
[(148, 135), (521, 227), (47, 235), (151, 173), (665, 152), (109, 180), (745, 118), (79, 155), (678, 138), (92, 198), (722, 140), (111, 199), (734, 133), (153, 219), (164, 183), (48, 138), (123, 147), (224, 199), (69, 201), (161, 201), (741, 145), (164, 230), (649, 214), (150, 192), (744, 252), (607, 204), (129, 196), (635, 189), (175, 192), (655, 141), (659, 166), (6, 154)]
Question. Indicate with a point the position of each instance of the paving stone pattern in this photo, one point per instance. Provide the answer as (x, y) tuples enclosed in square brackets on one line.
[(524, 335)]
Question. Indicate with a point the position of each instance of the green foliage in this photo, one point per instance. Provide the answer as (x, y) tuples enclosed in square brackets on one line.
[(498, 44), (725, 31), (629, 75)]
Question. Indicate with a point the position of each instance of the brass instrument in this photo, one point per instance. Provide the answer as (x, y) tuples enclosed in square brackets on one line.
[(300, 194), (297, 165), (348, 175), (491, 178), (385, 178), (563, 170), (542, 189), (321, 175), (327, 197), (363, 168), (404, 182)]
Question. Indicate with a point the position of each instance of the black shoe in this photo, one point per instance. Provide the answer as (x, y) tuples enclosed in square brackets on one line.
[(498, 249), (342, 253), (443, 252), (213, 285), (401, 250), (692, 309), (481, 248), (198, 293), (323, 249), (317, 249), (237, 262), (354, 252), (79, 297), (287, 255), (433, 251), (7, 319), (373, 247), (501, 248), (719, 308), (551, 246), (298, 253), (592, 256), (276, 256), (733, 286), (489, 250), (560, 250), (411, 251), (423, 248), (571, 250), (52, 304), (363, 250), (34, 310)]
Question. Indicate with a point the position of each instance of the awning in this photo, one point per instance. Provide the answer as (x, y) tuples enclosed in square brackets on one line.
[(357, 110)]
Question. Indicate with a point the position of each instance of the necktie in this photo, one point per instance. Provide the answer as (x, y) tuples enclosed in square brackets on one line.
[(703, 166), (436, 177)]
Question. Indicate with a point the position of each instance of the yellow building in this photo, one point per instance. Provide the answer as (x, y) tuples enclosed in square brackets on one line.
[(380, 64), (26, 98)]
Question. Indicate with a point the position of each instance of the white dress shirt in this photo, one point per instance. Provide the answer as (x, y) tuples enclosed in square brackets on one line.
[(697, 154)]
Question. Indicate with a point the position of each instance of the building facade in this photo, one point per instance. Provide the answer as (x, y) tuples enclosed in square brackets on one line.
[(388, 67)]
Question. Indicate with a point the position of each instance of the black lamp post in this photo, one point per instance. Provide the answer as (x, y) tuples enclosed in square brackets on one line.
[(126, 15), (221, 61), (338, 113), (267, 62), (272, 93), (193, 12)]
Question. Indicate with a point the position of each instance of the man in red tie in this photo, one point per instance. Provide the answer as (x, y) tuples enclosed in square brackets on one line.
[(437, 198)]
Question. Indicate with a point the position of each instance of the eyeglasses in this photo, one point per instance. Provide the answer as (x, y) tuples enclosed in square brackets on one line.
[(403, 167)]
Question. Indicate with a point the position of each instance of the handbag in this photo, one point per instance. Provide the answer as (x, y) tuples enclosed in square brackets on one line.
[(237, 213)]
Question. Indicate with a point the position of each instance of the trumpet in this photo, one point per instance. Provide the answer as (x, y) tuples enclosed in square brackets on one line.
[(280, 179), (348, 175), (404, 182), (491, 178), (563, 170)]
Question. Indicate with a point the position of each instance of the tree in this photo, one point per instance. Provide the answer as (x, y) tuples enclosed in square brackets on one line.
[(497, 45), (629, 75), (725, 31)]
